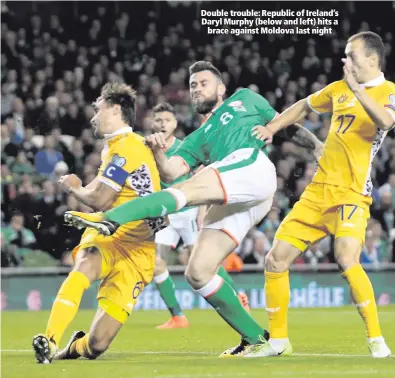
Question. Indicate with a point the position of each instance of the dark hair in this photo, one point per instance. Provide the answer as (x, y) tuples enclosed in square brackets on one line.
[(202, 65), (17, 213), (163, 107), (373, 44), (123, 95)]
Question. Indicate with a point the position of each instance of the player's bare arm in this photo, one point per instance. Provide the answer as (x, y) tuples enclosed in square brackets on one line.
[(96, 194), (169, 169), (302, 137), (380, 116), (288, 117)]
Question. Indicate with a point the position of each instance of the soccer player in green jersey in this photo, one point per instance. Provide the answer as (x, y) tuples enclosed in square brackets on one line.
[(238, 182), (183, 225)]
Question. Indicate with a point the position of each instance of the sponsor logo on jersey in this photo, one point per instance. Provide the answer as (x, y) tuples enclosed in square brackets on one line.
[(352, 102), (235, 103), (118, 161), (342, 98)]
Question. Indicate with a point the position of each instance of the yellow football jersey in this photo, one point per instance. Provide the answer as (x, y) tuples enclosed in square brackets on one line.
[(129, 167), (353, 138)]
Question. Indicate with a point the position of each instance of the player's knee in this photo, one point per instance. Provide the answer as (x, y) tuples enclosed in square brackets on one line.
[(85, 266), (88, 261), (160, 266), (346, 261), (197, 276), (275, 263), (347, 253), (97, 346)]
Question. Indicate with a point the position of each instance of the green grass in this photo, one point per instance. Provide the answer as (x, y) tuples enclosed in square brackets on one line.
[(327, 343)]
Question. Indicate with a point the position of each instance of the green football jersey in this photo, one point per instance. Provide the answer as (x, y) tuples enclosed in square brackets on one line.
[(227, 129), (169, 153)]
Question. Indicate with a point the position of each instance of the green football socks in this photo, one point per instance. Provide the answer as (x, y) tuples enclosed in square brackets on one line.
[(154, 205), (166, 287), (223, 298)]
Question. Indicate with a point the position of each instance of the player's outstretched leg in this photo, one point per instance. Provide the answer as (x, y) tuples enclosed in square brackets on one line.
[(103, 330), (277, 292), (201, 189), (155, 205), (347, 252), (166, 287), (212, 247), (86, 270)]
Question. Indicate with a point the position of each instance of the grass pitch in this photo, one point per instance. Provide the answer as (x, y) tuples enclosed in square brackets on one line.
[(327, 343)]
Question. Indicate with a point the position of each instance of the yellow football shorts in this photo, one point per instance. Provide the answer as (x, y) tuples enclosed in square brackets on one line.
[(126, 269), (325, 209)]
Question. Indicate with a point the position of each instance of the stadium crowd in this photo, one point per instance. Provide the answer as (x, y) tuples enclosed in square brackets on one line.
[(52, 69)]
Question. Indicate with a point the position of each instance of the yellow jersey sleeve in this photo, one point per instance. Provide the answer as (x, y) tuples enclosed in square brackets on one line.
[(321, 101), (389, 101), (122, 158)]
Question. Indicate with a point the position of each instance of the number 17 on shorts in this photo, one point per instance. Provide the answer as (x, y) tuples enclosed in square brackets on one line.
[(352, 221)]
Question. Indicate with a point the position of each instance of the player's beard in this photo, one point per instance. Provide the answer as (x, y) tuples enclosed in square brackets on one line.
[(95, 127), (206, 106)]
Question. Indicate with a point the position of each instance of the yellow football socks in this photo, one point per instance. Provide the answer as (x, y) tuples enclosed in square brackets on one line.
[(66, 305), (363, 296), (277, 300)]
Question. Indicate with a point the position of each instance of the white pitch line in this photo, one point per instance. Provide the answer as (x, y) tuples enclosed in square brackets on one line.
[(279, 372), (201, 375), (167, 353)]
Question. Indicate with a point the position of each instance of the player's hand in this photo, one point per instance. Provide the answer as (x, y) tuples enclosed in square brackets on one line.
[(262, 133), (156, 141), (318, 151), (349, 76), (70, 182)]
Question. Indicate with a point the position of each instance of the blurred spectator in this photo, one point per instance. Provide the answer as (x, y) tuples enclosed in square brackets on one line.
[(28, 146), (9, 256), (385, 214), (73, 121), (16, 234), (18, 114), (379, 239), (46, 159), (16, 136), (7, 99), (8, 148), (21, 165), (389, 187), (313, 122), (254, 247), (47, 209), (370, 252), (271, 224), (49, 117), (317, 253)]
